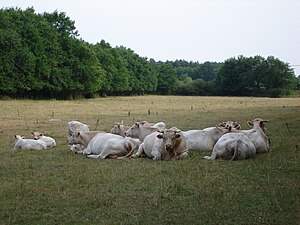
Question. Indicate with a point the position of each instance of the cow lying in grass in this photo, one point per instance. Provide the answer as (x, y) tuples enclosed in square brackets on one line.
[(102, 145), (242, 144), (50, 142), (204, 140), (22, 143), (164, 145)]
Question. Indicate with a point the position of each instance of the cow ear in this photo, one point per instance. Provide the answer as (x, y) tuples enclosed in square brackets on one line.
[(160, 136), (237, 127), (32, 133), (222, 124), (250, 123), (261, 123), (77, 133)]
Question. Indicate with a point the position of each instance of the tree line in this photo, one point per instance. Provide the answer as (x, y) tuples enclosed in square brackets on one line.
[(42, 56)]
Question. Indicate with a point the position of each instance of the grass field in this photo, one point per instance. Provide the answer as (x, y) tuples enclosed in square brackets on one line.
[(57, 186)]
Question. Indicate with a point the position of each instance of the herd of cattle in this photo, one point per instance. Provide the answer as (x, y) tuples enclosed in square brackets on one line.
[(226, 141)]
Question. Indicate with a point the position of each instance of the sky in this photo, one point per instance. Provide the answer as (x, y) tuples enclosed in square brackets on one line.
[(192, 30)]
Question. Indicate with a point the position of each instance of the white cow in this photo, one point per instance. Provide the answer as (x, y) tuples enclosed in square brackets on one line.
[(102, 145), (257, 135), (119, 128), (141, 130), (22, 143), (112, 147), (50, 142), (82, 137), (164, 145), (233, 146), (204, 140), (242, 144)]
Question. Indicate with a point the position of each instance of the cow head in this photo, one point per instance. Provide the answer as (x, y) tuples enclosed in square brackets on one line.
[(18, 137), (258, 123), (75, 138), (171, 138), (229, 126), (119, 128), (133, 131), (36, 135)]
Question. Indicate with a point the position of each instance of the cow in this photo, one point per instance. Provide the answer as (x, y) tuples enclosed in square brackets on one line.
[(80, 137), (119, 128), (112, 147), (164, 145), (204, 140), (233, 146), (72, 126), (242, 144), (48, 140), (141, 130), (22, 143), (101, 145), (258, 135)]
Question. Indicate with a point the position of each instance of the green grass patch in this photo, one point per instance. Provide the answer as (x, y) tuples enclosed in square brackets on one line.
[(57, 186)]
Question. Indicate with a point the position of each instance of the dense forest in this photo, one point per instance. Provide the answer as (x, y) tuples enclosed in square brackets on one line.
[(42, 57)]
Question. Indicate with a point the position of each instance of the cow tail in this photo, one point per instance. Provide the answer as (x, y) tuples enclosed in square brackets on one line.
[(127, 155), (235, 150)]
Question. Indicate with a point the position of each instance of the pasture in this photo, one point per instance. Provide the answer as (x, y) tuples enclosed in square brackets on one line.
[(56, 186)]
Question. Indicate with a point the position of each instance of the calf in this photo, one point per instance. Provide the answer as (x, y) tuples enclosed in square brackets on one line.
[(21, 143), (164, 145), (50, 142)]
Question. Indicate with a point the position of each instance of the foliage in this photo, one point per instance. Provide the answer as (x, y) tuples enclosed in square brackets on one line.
[(41, 56), (255, 76)]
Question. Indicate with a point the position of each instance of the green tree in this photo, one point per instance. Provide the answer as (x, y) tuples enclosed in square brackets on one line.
[(166, 79)]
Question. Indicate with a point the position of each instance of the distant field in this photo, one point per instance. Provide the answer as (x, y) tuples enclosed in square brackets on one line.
[(59, 187)]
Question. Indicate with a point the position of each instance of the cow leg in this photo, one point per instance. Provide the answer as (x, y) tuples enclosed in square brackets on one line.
[(182, 155), (156, 154), (86, 151), (139, 152), (93, 156)]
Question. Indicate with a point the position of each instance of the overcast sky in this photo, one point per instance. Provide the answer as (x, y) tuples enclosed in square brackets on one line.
[(193, 30)]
